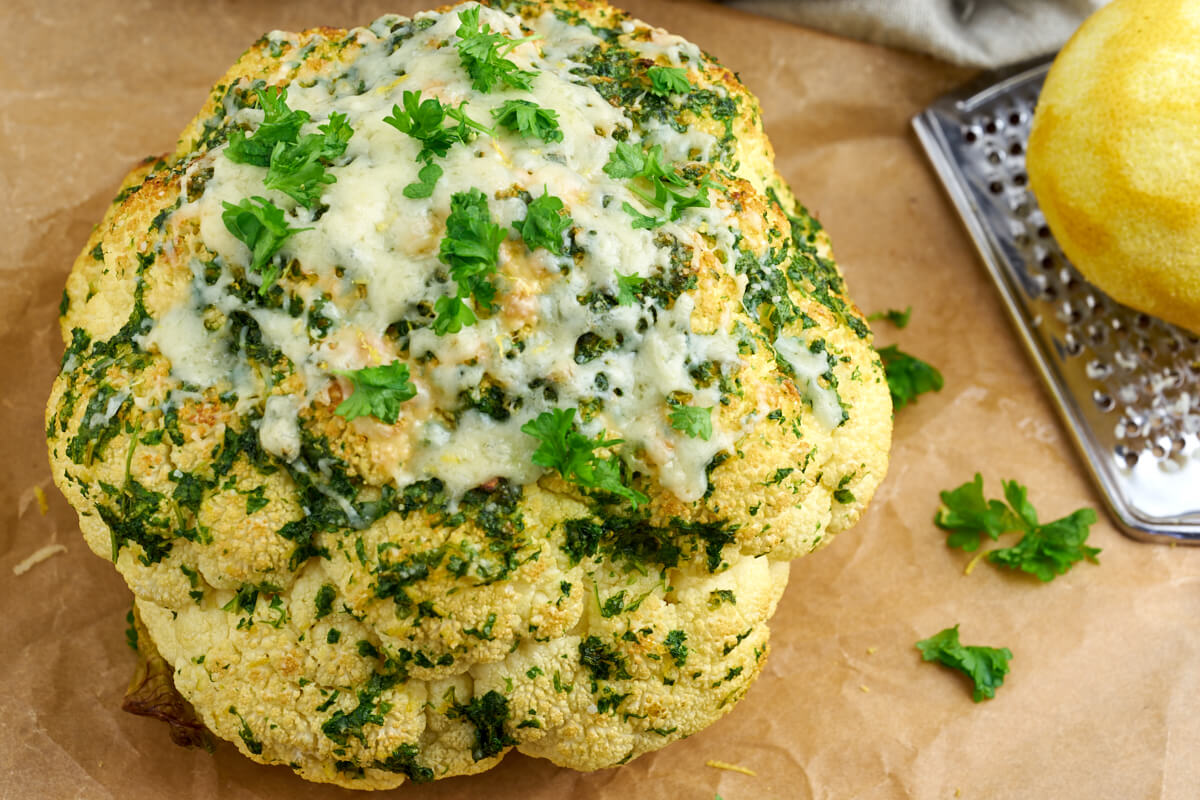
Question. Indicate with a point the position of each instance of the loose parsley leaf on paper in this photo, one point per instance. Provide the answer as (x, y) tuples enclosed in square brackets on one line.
[(966, 515), (628, 287), (985, 666), (482, 54), (893, 315), (562, 447), (545, 224), (668, 80), (471, 248), (280, 124), (264, 230), (908, 376), (1045, 550), (529, 119), (378, 392), (691, 420)]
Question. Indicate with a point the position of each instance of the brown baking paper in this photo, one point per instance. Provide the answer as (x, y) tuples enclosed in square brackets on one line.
[(1103, 700)]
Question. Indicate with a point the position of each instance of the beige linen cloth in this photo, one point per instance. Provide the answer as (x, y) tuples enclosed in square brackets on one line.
[(977, 33)]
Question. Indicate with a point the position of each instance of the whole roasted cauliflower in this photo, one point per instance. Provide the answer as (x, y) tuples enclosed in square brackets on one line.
[(461, 383)]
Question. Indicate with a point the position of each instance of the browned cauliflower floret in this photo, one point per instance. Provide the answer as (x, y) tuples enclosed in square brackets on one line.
[(462, 383)]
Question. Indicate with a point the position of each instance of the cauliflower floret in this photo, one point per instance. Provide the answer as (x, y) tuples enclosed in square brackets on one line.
[(406, 470)]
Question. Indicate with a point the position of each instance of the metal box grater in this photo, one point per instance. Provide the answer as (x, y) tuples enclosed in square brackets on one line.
[(1126, 384)]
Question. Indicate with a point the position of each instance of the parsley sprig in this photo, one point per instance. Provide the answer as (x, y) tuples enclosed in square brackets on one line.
[(985, 666), (471, 248), (908, 376), (545, 223), (1045, 550), (563, 448), (378, 392), (424, 120), (299, 168), (529, 119), (280, 124), (260, 225), (893, 315), (482, 53), (644, 167)]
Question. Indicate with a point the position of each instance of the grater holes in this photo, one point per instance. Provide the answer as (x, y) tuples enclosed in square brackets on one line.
[(1020, 179), (1015, 149), (1098, 370), (1125, 456), (1071, 345), (994, 157), (1104, 401)]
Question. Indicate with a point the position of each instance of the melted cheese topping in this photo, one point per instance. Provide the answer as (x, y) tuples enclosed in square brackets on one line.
[(370, 260)]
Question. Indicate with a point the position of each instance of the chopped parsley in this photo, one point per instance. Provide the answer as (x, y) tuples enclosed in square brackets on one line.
[(908, 376), (985, 666), (483, 52), (471, 248), (693, 421), (544, 224), (563, 448), (264, 230), (378, 392)]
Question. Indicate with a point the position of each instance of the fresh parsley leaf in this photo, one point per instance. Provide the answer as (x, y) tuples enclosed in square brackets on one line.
[(641, 220), (966, 515), (893, 315), (626, 161), (908, 376), (529, 119), (264, 230), (985, 666), (545, 224), (280, 124), (427, 178), (482, 55), (131, 631), (378, 392), (1045, 550), (668, 80), (695, 422), (562, 447), (471, 248), (628, 288), (298, 169), (630, 161), (424, 121)]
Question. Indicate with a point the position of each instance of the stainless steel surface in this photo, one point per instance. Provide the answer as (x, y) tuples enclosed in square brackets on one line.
[(1126, 384)]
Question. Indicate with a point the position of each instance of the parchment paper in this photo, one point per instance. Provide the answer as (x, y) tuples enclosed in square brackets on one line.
[(1103, 700)]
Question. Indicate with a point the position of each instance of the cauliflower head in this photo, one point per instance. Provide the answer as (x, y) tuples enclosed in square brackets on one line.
[(462, 383)]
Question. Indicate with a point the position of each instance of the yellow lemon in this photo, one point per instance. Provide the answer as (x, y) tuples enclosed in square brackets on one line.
[(1114, 155)]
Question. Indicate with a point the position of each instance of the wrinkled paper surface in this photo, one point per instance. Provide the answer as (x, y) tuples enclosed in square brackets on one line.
[(1103, 700)]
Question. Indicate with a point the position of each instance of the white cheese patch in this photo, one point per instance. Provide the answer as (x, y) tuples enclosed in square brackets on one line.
[(809, 367)]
